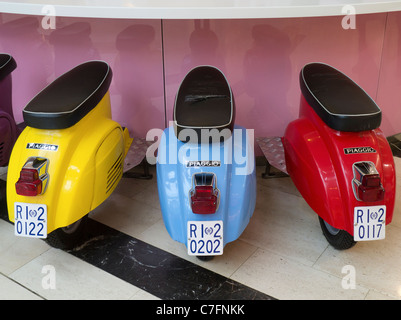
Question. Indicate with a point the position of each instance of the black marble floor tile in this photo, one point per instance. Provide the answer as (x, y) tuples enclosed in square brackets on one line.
[(156, 271)]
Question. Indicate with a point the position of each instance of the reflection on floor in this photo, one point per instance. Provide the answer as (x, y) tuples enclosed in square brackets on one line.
[(282, 254)]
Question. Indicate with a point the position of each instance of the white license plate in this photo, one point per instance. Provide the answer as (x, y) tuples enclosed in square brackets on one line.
[(30, 220), (369, 223), (205, 238)]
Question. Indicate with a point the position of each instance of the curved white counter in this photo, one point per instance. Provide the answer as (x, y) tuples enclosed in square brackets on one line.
[(197, 9)]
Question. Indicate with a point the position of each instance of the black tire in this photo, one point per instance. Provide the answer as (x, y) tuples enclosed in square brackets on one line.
[(339, 239), (205, 258), (68, 237)]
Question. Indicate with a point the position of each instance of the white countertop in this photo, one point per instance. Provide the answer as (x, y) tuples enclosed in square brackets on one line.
[(196, 9)]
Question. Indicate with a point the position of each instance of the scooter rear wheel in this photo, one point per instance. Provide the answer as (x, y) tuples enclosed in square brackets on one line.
[(205, 258), (339, 239), (68, 237)]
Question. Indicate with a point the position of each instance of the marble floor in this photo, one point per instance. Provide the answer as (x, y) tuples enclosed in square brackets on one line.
[(282, 254)]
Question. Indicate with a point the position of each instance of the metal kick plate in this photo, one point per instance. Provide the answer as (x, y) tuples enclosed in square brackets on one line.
[(273, 150)]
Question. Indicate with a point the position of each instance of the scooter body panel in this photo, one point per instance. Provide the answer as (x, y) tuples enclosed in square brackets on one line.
[(8, 135), (236, 181), (8, 128), (79, 161), (326, 157)]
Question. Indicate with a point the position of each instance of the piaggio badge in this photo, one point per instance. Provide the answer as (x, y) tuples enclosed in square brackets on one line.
[(42, 146), (206, 163), (357, 150)]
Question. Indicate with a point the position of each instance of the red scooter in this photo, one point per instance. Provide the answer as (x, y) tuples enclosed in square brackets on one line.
[(339, 159)]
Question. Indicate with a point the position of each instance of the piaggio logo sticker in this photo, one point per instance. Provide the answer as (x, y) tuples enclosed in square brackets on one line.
[(207, 163), (42, 146), (357, 150)]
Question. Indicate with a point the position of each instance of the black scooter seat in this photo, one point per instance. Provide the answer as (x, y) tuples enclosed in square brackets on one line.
[(70, 97), (7, 65), (339, 102), (204, 101)]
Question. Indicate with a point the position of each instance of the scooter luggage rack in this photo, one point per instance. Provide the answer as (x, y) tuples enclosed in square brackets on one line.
[(273, 150)]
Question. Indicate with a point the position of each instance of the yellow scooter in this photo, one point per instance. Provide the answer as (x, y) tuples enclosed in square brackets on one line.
[(68, 159)]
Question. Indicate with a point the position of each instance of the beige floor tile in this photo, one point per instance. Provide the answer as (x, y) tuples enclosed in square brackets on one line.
[(377, 263), (126, 214), (58, 275), (285, 279), (285, 224), (11, 290), (283, 184), (3, 173), (374, 295), (17, 251)]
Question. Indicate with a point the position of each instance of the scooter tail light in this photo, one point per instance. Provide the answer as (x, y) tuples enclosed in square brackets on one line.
[(370, 194), (204, 200), (371, 180), (29, 174), (367, 183), (204, 197), (29, 183), (33, 177)]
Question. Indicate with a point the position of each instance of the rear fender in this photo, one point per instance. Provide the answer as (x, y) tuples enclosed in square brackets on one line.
[(236, 181), (71, 191), (109, 161), (310, 166), (322, 170), (388, 174), (343, 159), (92, 174)]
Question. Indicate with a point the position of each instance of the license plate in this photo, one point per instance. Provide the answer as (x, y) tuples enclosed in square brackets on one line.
[(369, 223), (30, 220), (205, 238)]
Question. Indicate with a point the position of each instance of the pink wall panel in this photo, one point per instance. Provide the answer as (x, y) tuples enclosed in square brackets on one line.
[(131, 47), (389, 90), (262, 59)]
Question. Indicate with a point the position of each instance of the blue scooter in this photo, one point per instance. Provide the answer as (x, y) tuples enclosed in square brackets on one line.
[(206, 166)]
